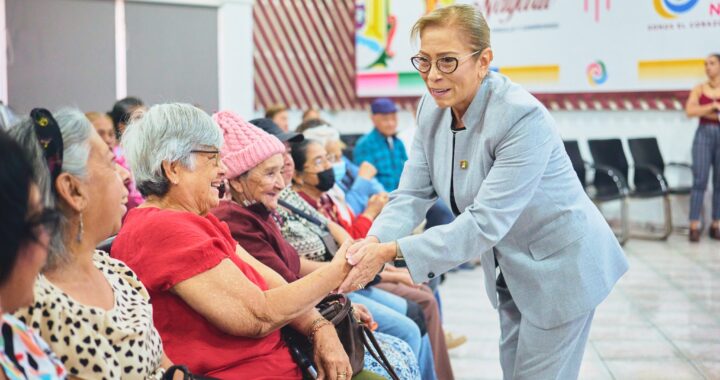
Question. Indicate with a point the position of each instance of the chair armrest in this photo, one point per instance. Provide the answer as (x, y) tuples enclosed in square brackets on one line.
[(614, 174), (655, 173)]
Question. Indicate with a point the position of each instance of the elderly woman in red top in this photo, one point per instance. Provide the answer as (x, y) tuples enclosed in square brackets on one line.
[(217, 308)]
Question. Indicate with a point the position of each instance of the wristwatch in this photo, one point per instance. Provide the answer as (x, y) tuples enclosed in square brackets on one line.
[(399, 260)]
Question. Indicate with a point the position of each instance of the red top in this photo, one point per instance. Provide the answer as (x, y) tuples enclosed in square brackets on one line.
[(166, 247), (256, 231), (357, 227), (704, 99)]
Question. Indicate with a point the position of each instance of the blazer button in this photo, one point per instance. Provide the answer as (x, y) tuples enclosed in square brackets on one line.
[(431, 275)]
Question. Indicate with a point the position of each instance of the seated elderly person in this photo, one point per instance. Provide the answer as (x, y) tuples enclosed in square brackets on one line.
[(315, 240), (314, 178), (254, 161), (311, 168), (24, 226), (218, 309), (358, 183), (306, 230), (90, 308)]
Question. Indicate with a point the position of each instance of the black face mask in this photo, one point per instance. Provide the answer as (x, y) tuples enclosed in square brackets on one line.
[(326, 180)]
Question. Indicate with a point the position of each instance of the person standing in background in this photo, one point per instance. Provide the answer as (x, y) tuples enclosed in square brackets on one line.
[(704, 102)]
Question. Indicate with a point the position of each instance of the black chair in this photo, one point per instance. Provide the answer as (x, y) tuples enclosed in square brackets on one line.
[(646, 151), (612, 186), (647, 182), (106, 244)]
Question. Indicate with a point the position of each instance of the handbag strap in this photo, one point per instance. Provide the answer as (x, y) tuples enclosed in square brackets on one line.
[(301, 213), (187, 375), (373, 347)]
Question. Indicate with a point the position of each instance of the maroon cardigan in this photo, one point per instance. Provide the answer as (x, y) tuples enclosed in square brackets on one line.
[(255, 229)]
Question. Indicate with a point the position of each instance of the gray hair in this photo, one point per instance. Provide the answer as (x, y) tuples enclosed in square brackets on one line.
[(166, 132), (76, 131), (322, 134)]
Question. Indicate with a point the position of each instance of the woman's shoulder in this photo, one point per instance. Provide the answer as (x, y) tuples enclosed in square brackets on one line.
[(114, 268)]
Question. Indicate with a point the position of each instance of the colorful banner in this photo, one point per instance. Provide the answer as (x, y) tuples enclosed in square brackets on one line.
[(551, 46)]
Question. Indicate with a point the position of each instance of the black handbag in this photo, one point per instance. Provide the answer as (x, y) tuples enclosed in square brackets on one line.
[(355, 338), (187, 375)]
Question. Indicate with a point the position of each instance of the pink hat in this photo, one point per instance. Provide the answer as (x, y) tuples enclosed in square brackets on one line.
[(245, 145)]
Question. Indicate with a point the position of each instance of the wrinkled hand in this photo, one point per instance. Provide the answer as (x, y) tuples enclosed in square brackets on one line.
[(362, 314), (340, 261), (330, 357), (367, 257), (367, 171)]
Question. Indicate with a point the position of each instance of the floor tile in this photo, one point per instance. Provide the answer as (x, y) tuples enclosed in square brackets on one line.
[(662, 320)]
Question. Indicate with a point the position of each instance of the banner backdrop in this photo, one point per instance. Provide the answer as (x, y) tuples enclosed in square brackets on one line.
[(552, 46)]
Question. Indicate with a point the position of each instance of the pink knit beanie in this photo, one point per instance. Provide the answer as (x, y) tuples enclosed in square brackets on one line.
[(246, 145)]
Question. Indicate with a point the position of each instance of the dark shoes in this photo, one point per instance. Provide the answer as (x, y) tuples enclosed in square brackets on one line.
[(715, 232), (694, 235)]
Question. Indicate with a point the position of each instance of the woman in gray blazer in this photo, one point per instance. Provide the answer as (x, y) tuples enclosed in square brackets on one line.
[(490, 150)]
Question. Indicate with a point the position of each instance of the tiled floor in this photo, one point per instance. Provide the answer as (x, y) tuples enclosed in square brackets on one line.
[(662, 320)]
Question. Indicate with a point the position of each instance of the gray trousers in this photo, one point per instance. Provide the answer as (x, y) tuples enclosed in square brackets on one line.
[(705, 155), (529, 352)]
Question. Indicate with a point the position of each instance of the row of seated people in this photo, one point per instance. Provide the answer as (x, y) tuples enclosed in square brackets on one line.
[(217, 306)]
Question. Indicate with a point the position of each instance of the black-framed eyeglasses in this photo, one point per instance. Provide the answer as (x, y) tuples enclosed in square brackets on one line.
[(216, 154), (446, 65)]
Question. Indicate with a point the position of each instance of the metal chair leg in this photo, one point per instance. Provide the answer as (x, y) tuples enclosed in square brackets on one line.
[(624, 222), (667, 226)]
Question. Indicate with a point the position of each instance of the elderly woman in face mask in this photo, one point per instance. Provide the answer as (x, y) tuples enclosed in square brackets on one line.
[(217, 308), (394, 280)]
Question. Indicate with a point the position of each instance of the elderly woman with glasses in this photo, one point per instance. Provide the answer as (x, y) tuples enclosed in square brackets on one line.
[(218, 309), (490, 150), (91, 309), (24, 227), (314, 178)]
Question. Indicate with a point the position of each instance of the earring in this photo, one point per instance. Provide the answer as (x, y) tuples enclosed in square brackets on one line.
[(81, 230)]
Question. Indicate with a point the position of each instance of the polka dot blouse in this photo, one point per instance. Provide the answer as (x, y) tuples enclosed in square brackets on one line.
[(94, 343)]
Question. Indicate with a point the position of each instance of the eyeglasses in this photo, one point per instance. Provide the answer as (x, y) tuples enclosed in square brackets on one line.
[(216, 154), (446, 65), (320, 162)]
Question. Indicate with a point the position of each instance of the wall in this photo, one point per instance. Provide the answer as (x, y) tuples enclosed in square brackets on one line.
[(87, 53)]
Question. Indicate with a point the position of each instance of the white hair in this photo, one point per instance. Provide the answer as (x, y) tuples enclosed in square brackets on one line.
[(322, 134), (76, 131), (166, 132)]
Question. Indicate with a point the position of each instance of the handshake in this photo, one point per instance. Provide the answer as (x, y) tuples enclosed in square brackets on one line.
[(363, 259)]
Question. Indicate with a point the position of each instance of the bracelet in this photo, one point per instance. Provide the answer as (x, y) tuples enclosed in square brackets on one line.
[(316, 328), (315, 323)]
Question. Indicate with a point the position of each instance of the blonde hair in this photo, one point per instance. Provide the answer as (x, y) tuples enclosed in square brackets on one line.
[(470, 21), (274, 110), (94, 116)]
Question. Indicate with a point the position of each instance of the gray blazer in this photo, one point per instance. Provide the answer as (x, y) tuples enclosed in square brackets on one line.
[(521, 206)]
